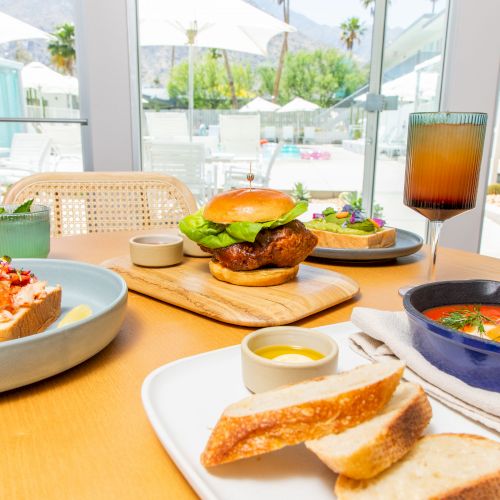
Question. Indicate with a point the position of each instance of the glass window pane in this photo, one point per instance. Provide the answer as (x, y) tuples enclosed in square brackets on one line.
[(38, 80), (415, 34), (490, 238), (309, 135)]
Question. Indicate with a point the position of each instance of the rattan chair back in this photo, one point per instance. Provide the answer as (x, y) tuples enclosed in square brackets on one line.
[(96, 202)]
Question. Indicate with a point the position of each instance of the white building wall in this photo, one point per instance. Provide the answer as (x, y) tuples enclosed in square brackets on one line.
[(104, 71)]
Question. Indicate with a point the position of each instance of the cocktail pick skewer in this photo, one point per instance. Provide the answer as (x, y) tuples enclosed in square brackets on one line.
[(250, 176)]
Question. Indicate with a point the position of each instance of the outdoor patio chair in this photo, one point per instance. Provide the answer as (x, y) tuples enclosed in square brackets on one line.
[(214, 131), (309, 135), (28, 152), (186, 162), (240, 136), (170, 126), (287, 134), (66, 145), (236, 177), (270, 134), (97, 202)]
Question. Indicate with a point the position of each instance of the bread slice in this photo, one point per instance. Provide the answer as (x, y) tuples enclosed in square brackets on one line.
[(35, 318), (444, 466), (367, 449), (308, 410), (386, 237)]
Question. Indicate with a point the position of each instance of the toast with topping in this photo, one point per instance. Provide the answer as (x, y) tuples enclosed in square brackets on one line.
[(27, 305)]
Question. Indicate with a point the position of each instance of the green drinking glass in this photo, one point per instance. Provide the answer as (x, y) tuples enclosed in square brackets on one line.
[(25, 234)]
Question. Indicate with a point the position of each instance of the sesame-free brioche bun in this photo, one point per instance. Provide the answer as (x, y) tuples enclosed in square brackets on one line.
[(248, 205), (258, 277)]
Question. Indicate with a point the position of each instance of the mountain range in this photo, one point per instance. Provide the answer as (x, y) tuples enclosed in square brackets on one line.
[(156, 61)]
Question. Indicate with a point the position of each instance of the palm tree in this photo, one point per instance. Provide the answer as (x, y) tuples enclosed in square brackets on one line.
[(352, 30), (370, 4), (62, 48), (284, 49), (215, 55)]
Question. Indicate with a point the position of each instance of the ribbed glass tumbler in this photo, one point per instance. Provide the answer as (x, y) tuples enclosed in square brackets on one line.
[(25, 234), (443, 161)]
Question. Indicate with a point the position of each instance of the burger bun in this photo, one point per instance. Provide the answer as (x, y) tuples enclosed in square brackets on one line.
[(258, 277), (248, 205)]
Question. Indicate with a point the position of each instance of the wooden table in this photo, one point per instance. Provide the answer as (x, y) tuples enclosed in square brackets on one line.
[(83, 434)]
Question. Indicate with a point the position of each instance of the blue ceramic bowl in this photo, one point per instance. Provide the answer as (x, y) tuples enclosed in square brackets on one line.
[(474, 360)]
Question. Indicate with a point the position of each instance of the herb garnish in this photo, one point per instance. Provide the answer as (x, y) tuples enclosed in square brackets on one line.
[(457, 320), (21, 209)]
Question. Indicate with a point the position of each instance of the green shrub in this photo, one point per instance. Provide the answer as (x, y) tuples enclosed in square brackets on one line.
[(494, 189), (300, 192)]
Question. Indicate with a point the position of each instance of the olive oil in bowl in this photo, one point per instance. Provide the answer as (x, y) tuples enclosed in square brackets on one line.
[(289, 353)]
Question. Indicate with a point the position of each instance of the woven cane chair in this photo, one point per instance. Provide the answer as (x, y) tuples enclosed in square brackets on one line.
[(96, 202)]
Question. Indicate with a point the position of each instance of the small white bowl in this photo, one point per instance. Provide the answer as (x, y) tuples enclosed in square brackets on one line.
[(192, 248), (262, 374), (156, 250)]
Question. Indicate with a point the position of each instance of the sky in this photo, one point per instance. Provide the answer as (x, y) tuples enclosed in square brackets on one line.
[(333, 12)]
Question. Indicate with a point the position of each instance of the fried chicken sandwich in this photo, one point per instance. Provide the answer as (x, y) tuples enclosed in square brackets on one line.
[(253, 236)]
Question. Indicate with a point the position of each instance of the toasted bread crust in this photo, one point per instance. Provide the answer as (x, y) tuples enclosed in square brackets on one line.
[(392, 442), (484, 487), (33, 319), (384, 238), (237, 437)]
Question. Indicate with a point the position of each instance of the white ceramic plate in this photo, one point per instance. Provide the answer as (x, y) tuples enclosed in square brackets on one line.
[(33, 358), (184, 400)]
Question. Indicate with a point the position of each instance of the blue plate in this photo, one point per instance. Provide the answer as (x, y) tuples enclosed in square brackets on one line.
[(472, 359), (29, 359)]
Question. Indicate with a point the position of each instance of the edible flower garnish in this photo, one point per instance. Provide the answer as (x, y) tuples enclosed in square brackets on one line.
[(348, 220)]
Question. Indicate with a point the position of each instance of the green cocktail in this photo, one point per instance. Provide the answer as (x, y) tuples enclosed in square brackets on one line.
[(25, 234)]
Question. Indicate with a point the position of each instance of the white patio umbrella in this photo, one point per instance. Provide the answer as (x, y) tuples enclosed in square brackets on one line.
[(258, 104), (12, 29), (221, 24), (38, 76), (44, 80), (298, 104)]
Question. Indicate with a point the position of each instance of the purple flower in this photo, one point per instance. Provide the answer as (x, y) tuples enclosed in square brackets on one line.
[(318, 216), (379, 222), (348, 208), (356, 216)]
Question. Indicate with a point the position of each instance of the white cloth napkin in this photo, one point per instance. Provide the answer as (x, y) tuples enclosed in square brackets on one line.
[(387, 334)]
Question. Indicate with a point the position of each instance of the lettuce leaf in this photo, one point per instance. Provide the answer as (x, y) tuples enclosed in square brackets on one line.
[(213, 235)]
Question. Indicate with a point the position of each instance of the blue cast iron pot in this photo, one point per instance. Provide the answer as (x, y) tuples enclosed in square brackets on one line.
[(474, 360)]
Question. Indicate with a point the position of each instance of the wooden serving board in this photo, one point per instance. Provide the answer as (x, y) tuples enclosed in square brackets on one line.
[(191, 286)]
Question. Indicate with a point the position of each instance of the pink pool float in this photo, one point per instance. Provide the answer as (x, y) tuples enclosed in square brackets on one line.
[(315, 155)]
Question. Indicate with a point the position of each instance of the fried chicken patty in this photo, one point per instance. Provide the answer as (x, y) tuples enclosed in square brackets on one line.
[(285, 246)]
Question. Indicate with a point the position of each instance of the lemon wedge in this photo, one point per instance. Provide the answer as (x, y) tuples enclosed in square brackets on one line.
[(76, 314)]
